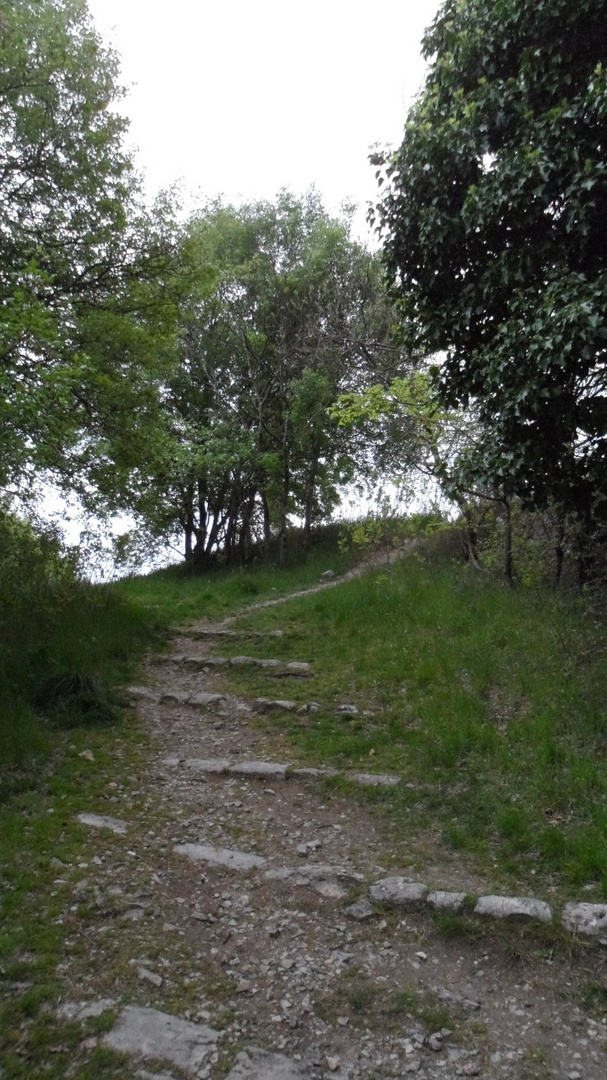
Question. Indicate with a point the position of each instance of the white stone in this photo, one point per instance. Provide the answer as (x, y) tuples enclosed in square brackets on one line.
[(513, 907), (236, 860), (152, 1034), (311, 774), (102, 821), (256, 1064), (588, 919), (400, 891), (208, 765), (262, 770), (373, 779), (142, 692), (266, 705), (446, 901)]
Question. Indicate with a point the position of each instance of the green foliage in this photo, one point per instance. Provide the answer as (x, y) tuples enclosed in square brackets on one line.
[(494, 226), (65, 644)]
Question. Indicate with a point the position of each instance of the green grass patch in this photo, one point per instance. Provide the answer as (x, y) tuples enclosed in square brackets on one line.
[(490, 702)]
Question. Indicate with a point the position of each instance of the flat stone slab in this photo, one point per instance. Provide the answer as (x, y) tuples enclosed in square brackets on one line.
[(150, 1033), (400, 891), (313, 874), (235, 860), (256, 1064), (295, 669), (260, 770), (446, 901), (205, 700), (312, 774), (588, 919), (82, 1010), (175, 697), (102, 821), (513, 907), (142, 692), (213, 766), (254, 661), (373, 779), (268, 705)]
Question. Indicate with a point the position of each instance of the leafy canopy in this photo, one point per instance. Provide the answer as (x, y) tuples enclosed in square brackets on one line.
[(494, 217)]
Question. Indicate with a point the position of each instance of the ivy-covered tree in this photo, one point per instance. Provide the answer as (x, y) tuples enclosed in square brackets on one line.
[(494, 220)]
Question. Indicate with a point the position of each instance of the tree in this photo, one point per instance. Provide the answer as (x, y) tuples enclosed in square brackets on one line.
[(79, 258), (494, 218), (284, 312)]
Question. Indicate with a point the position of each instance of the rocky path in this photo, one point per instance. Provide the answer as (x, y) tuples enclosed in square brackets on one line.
[(249, 920)]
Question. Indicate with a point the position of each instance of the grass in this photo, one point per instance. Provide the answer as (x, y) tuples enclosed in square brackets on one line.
[(491, 703), (178, 594)]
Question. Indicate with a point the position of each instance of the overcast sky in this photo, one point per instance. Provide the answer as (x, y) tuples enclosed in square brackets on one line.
[(243, 97)]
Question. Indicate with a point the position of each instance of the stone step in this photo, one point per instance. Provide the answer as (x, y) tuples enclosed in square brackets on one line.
[(282, 668), (272, 770)]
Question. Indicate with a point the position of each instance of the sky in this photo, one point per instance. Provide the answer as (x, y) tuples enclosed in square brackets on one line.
[(241, 98)]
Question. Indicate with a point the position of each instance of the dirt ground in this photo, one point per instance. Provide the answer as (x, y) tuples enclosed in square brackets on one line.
[(280, 963)]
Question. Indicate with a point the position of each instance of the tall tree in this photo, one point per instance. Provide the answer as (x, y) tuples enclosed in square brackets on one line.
[(76, 254), (494, 218), (285, 311)]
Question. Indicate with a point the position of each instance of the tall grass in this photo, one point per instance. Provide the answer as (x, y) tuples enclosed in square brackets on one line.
[(490, 700), (65, 645)]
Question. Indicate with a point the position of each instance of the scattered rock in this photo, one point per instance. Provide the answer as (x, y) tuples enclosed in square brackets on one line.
[(102, 821), (150, 976), (399, 891), (256, 1064), (152, 1034), (346, 710), (360, 910), (513, 907), (309, 707), (82, 1010), (588, 919), (311, 774), (87, 755), (454, 999), (236, 860)]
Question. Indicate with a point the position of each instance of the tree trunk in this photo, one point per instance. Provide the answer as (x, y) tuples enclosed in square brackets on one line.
[(507, 541)]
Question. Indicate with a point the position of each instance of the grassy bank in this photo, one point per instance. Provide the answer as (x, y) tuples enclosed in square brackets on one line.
[(489, 702)]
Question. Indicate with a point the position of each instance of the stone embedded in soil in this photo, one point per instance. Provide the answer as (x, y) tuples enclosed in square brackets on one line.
[(256, 1064), (213, 766), (326, 880), (82, 1010), (446, 901), (254, 661), (346, 710), (150, 1033), (235, 860), (142, 692), (360, 910), (267, 705), (312, 774), (205, 700), (513, 907), (400, 891), (102, 821), (455, 999), (588, 919), (373, 779), (260, 770), (175, 697)]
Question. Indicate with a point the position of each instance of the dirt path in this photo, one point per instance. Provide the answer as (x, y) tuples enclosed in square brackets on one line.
[(233, 887)]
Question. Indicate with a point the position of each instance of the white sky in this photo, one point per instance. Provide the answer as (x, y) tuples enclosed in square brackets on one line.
[(243, 97)]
